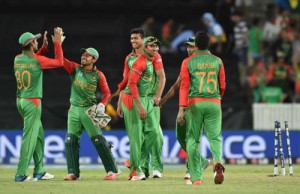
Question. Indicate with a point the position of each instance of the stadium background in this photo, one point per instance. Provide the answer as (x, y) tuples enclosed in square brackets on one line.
[(105, 25)]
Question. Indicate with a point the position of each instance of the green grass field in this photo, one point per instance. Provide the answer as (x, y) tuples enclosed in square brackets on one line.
[(239, 179)]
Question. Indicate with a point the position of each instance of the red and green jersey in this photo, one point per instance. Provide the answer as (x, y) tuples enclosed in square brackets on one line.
[(140, 81), (28, 68), (85, 84), (202, 76), (129, 60), (157, 64)]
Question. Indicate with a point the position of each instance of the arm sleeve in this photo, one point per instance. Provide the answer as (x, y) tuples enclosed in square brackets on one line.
[(184, 84), (102, 84), (70, 66), (43, 51), (123, 83), (218, 31), (157, 62), (222, 82), (137, 69), (47, 63)]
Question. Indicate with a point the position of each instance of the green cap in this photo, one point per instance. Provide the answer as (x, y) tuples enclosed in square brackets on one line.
[(27, 38), (90, 51), (151, 40), (190, 41)]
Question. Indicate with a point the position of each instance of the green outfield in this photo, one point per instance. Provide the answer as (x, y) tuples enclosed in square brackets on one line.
[(239, 179)]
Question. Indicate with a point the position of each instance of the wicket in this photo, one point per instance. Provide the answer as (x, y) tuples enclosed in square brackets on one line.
[(278, 143)]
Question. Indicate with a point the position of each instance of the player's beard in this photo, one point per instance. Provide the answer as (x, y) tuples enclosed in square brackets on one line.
[(85, 64)]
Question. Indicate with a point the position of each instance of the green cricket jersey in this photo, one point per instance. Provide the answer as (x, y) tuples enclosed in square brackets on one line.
[(29, 76), (144, 67), (84, 85), (204, 72)]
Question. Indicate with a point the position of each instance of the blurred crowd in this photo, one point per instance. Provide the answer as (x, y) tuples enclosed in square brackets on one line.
[(266, 46)]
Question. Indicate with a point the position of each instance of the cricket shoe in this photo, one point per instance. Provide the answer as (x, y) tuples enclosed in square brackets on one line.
[(205, 166), (197, 182), (119, 171), (21, 178), (42, 176), (147, 174), (132, 174), (138, 177), (218, 173), (111, 176), (134, 177), (188, 181), (156, 174), (187, 176), (71, 177)]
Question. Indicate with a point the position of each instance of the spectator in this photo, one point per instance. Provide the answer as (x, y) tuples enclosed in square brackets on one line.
[(270, 35), (167, 34), (273, 94), (225, 9), (258, 81), (245, 6), (280, 75), (256, 47), (284, 44), (216, 33), (240, 44), (148, 26), (179, 40), (282, 19)]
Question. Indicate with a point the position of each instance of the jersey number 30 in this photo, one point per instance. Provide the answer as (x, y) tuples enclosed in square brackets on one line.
[(21, 83)]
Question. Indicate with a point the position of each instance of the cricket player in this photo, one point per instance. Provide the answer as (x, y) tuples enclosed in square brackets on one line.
[(181, 129), (86, 79), (28, 68), (201, 89), (154, 158), (140, 121), (136, 39)]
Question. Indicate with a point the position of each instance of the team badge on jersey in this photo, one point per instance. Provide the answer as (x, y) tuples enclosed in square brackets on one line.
[(94, 78)]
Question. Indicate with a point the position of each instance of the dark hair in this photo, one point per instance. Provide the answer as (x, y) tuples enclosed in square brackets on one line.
[(238, 13), (256, 21), (27, 47), (138, 31), (202, 40)]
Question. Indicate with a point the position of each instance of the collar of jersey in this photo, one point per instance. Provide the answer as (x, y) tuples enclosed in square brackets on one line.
[(94, 69), (202, 52)]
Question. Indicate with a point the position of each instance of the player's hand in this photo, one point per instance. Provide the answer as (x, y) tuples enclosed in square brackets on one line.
[(114, 95), (180, 116), (142, 112), (163, 100), (120, 111), (156, 100), (45, 40), (58, 35)]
